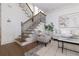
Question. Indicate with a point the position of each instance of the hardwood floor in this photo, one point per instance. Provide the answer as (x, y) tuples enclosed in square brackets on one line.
[(14, 49)]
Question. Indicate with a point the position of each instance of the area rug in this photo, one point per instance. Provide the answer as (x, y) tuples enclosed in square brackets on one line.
[(33, 51)]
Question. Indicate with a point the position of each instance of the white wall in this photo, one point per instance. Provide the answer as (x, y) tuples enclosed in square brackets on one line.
[(53, 16), (11, 30)]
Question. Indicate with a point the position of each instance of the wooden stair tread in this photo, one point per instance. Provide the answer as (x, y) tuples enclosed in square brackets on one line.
[(23, 43)]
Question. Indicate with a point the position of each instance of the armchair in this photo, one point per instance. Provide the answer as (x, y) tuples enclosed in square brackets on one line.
[(44, 38)]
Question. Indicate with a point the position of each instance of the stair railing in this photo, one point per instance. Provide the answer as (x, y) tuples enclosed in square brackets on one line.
[(40, 17), (33, 21)]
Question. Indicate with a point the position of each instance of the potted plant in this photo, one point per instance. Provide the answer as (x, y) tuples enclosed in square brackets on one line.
[(49, 28)]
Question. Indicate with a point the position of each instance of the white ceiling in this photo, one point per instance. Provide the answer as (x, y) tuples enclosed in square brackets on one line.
[(48, 7)]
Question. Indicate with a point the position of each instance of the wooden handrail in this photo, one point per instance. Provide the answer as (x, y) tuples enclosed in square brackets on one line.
[(29, 8), (32, 11), (33, 17), (42, 13)]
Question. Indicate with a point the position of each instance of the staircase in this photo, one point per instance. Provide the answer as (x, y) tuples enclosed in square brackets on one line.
[(32, 23), (29, 26)]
